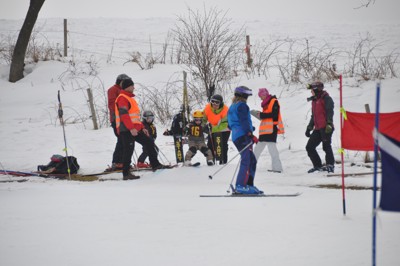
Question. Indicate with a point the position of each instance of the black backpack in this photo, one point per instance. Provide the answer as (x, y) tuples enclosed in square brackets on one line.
[(59, 165)]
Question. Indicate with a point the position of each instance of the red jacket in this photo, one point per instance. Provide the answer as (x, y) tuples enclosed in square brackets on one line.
[(113, 93)]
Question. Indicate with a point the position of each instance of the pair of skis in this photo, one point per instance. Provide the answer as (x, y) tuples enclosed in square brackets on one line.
[(239, 195)]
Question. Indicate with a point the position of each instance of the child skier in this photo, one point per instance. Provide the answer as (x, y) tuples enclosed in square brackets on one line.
[(147, 120), (239, 121), (195, 131)]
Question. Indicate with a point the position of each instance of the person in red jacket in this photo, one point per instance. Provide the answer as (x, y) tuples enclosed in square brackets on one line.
[(112, 95), (131, 129), (321, 125)]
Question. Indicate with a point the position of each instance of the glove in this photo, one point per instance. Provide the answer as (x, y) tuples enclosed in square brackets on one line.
[(255, 139), (308, 130), (255, 113), (166, 133), (328, 129)]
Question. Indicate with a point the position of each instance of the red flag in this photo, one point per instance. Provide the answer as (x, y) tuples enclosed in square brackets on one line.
[(357, 129)]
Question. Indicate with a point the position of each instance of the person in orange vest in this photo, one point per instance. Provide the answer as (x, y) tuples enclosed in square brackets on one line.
[(271, 125), (216, 114), (112, 95), (131, 129)]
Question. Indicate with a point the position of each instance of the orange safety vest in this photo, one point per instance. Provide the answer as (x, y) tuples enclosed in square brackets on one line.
[(134, 111), (212, 117), (267, 124)]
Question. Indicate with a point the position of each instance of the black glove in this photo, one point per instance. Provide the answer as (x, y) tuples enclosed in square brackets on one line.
[(308, 131), (328, 129), (167, 133)]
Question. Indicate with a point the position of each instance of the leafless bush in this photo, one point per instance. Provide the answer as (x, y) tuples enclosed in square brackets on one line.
[(82, 75), (304, 62), (7, 44), (365, 61), (144, 63), (209, 46), (262, 55), (164, 105)]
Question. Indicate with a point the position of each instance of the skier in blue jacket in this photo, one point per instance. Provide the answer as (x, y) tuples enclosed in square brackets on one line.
[(239, 121)]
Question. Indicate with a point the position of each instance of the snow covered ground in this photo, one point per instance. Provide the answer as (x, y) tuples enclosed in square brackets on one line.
[(160, 219)]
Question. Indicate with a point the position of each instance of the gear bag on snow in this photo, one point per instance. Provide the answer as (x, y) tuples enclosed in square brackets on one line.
[(58, 165)]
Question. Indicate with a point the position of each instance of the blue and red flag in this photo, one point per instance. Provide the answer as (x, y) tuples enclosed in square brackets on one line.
[(390, 158)]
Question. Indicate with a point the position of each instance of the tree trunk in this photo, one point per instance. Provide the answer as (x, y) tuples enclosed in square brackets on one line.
[(18, 58)]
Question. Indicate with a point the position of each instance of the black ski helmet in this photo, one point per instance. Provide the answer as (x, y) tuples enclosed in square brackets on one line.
[(217, 97), (121, 77), (243, 91), (316, 86)]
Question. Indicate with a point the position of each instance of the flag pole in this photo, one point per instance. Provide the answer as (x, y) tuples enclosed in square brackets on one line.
[(341, 150), (378, 89)]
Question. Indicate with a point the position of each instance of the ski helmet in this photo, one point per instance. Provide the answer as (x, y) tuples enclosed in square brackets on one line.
[(316, 86), (217, 99), (243, 91), (148, 115), (198, 114), (121, 77)]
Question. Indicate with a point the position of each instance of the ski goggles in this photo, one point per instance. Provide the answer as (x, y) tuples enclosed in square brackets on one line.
[(150, 118), (215, 102)]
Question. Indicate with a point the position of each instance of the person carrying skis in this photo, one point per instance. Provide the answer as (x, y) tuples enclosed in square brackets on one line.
[(177, 125), (321, 125), (239, 121), (216, 114), (271, 125), (131, 129), (112, 95), (195, 131), (147, 120)]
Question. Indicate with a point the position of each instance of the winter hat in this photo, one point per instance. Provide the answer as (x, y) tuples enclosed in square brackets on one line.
[(263, 92), (121, 77), (126, 83)]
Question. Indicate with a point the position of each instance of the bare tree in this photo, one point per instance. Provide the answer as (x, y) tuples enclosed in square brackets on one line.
[(18, 58), (209, 47), (365, 3)]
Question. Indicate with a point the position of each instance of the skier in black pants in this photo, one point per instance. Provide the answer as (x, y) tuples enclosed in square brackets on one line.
[(321, 125), (147, 121)]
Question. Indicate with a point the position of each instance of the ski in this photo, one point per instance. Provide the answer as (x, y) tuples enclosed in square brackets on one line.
[(238, 195), (352, 174), (194, 164), (13, 180), (20, 173)]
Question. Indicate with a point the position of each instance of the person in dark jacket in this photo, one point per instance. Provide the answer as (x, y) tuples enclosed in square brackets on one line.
[(321, 126), (239, 122), (178, 124), (112, 95), (148, 122)]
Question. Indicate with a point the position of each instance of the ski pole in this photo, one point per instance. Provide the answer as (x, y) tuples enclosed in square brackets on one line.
[(212, 141), (248, 145), (160, 152), (233, 177), (60, 116), (5, 171)]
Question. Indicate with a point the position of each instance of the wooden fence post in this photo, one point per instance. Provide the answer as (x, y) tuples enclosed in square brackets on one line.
[(92, 110), (65, 38), (249, 60)]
